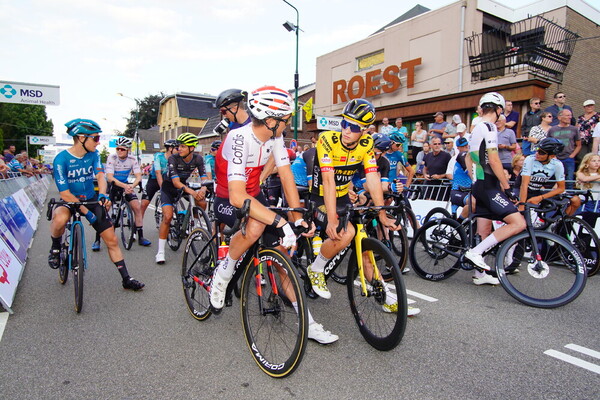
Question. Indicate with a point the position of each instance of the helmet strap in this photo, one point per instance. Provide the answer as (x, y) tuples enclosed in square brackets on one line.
[(83, 144), (274, 129)]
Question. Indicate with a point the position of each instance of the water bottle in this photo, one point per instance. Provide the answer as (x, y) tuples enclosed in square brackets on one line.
[(317, 242), (223, 250)]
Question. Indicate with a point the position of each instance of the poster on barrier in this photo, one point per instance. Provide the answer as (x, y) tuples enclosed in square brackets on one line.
[(33, 192), (27, 207), (14, 227), (10, 274)]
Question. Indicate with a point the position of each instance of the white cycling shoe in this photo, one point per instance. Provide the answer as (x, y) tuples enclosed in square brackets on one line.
[(160, 257), (318, 334)]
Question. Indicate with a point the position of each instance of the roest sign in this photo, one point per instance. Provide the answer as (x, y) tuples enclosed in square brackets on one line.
[(370, 84)]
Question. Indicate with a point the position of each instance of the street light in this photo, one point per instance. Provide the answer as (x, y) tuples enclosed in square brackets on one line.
[(291, 27), (136, 137)]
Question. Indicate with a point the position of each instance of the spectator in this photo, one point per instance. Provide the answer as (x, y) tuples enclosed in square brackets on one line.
[(586, 123), (3, 169), (449, 147), (512, 117), (450, 130), (507, 142), (559, 104), (477, 119), (417, 139), (17, 164), (437, 128), (460, 175), (540, 132), (420, 161), (517, 167), (403, 133), (461, 132), (569, 136), (588, 177), (531, 119), (397, 160), (386, 127), (436, 163)]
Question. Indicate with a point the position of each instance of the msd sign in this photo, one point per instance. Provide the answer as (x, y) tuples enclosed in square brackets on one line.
[(29, 93)]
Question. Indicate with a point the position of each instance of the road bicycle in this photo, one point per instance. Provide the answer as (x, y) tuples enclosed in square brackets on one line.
[(73, 255), (122, 217), (185, 219), (273, 312), (158, 210), (537, 268)]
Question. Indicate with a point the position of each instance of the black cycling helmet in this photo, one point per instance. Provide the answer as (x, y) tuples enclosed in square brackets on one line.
[(359, 111), (551, 146), (229, 96), (381, 141), (215, 145), (171, 143)]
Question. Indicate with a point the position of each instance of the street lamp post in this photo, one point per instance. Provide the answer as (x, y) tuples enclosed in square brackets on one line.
[(136, 137), (291, 27)]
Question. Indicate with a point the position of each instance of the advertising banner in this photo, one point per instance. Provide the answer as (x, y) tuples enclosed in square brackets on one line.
[(41, 140), (10, 274), (14, 228), (29, 93), (27, 207), (325, 123)]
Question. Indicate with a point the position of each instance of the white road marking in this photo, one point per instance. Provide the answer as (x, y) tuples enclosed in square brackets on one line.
[(584, 350), (3, 320), (574, 360), (421, 296)]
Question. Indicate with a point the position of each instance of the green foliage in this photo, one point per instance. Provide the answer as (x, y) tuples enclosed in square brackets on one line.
[(104, 155), (148, 114), (19, 120)]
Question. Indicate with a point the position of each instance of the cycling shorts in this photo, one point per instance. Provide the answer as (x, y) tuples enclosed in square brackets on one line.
[(492, 202), (168, 195), (226, 213), (320, 219), (459, 198), (115, 192), (103, 221), (150, 190)]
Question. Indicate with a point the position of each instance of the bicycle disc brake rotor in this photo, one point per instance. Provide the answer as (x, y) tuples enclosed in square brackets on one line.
[(538, 269)]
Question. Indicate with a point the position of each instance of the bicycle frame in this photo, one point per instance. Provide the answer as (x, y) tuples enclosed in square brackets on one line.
[(358, 237)]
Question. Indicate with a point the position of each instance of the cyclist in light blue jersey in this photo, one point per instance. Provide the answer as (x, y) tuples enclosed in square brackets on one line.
[(74, 171), (396, 155), (118, 168), (461, 178), (209, 159)]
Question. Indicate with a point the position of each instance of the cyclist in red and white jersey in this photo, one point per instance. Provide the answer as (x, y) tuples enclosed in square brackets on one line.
[(240, 160)]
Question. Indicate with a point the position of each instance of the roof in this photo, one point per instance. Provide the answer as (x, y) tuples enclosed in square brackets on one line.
[(150, 137), (207, 130), (413, 12), (195, 106)]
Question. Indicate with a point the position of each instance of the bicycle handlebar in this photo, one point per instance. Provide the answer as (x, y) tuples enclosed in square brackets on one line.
[(52, 203)]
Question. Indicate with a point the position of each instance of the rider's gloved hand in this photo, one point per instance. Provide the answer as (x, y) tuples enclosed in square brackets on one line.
[(102, 198), (91, 217), (288, 238), (511, 196)]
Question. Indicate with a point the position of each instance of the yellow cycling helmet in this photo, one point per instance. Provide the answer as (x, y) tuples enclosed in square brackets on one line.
[(188, 139)]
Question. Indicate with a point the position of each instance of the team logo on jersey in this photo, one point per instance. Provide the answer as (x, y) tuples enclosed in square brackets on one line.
[(334, 139), (343, 159), (325, 159), (352, 159), (372, 161), (364, 142)]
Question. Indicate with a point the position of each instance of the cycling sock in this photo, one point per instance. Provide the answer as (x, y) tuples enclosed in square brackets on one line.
[(319, 264), (97, 237), (161, 245), (485, 244), (140, 231), (310, 317), (226, 270), (122, 269), (56, 242)]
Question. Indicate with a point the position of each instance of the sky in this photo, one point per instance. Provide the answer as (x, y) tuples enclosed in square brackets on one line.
[(94, 49)]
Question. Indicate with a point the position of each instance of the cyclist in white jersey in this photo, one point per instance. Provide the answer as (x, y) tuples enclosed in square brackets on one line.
[(118, 168), (491, 189)]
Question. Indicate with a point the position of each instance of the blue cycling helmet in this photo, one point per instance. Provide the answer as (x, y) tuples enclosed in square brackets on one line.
[(381, 141), (85, 127), (396, 138)]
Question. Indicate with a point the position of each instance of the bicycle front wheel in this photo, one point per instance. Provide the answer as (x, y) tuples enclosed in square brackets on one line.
[(173, 236), (63, 268), (274, 314), (127, 225), (78, 265), (157, 211), (381, 314), (553, 280), (197, 267), (436, 249), (200, 220), (399, 242)]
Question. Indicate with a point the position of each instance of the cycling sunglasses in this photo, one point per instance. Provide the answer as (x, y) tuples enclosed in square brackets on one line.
[(353, 127), (94, 138), (542, 152)]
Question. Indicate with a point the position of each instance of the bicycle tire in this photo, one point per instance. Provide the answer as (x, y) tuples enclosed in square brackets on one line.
[(127, 225), (197, 267), (201, 221), (583, 236), (382, 330), (438, 213), (399, 243), (173, 237), (158, 211), (557, 279), (302, 258), (63, 268), (436, 249), (276, 334), (78, 264)]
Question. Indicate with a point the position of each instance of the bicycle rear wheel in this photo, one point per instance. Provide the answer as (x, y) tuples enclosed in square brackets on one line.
[(553, 281), (275, 329), (381, 328), (200, 220), (157, 210), (399, 242), (173, 236), (436, 249), (581, 235), (78, 265), (437, 213), (127, 225), (197, 267)]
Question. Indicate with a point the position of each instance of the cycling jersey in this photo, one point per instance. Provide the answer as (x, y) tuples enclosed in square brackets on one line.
[(76, 174), (242, 157), (394, 158), (299, 171), (383, 167), (460, 177), (484, 138), (332, 155), (122, 168), (540, 174), (160, 164), (209, 164), (179, 168)]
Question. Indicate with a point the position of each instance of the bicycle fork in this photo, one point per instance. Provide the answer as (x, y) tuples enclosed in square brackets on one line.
[(258, 279), (360, 235)]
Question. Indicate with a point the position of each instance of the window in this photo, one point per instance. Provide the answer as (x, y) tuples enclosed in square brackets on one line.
[(369, 60)]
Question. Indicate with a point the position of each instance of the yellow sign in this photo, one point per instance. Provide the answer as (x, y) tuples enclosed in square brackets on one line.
[(308, 109)]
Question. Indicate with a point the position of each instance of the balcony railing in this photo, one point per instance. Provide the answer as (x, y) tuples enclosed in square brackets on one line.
[(536, 45)]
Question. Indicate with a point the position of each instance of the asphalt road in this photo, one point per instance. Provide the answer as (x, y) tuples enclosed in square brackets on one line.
[(468, 342)]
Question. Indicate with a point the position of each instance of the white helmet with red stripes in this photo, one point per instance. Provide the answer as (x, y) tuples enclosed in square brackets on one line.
[(270, 102)]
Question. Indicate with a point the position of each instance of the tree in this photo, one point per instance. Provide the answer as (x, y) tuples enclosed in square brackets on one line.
[(104, 155), (19, 120), (148, 114)]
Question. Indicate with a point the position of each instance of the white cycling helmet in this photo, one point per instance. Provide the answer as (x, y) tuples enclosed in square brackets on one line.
[(124, 142), (270, 102), (492, 98)]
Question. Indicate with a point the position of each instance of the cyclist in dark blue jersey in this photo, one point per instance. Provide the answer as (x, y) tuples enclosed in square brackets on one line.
[(74, 171), (158, 173)]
